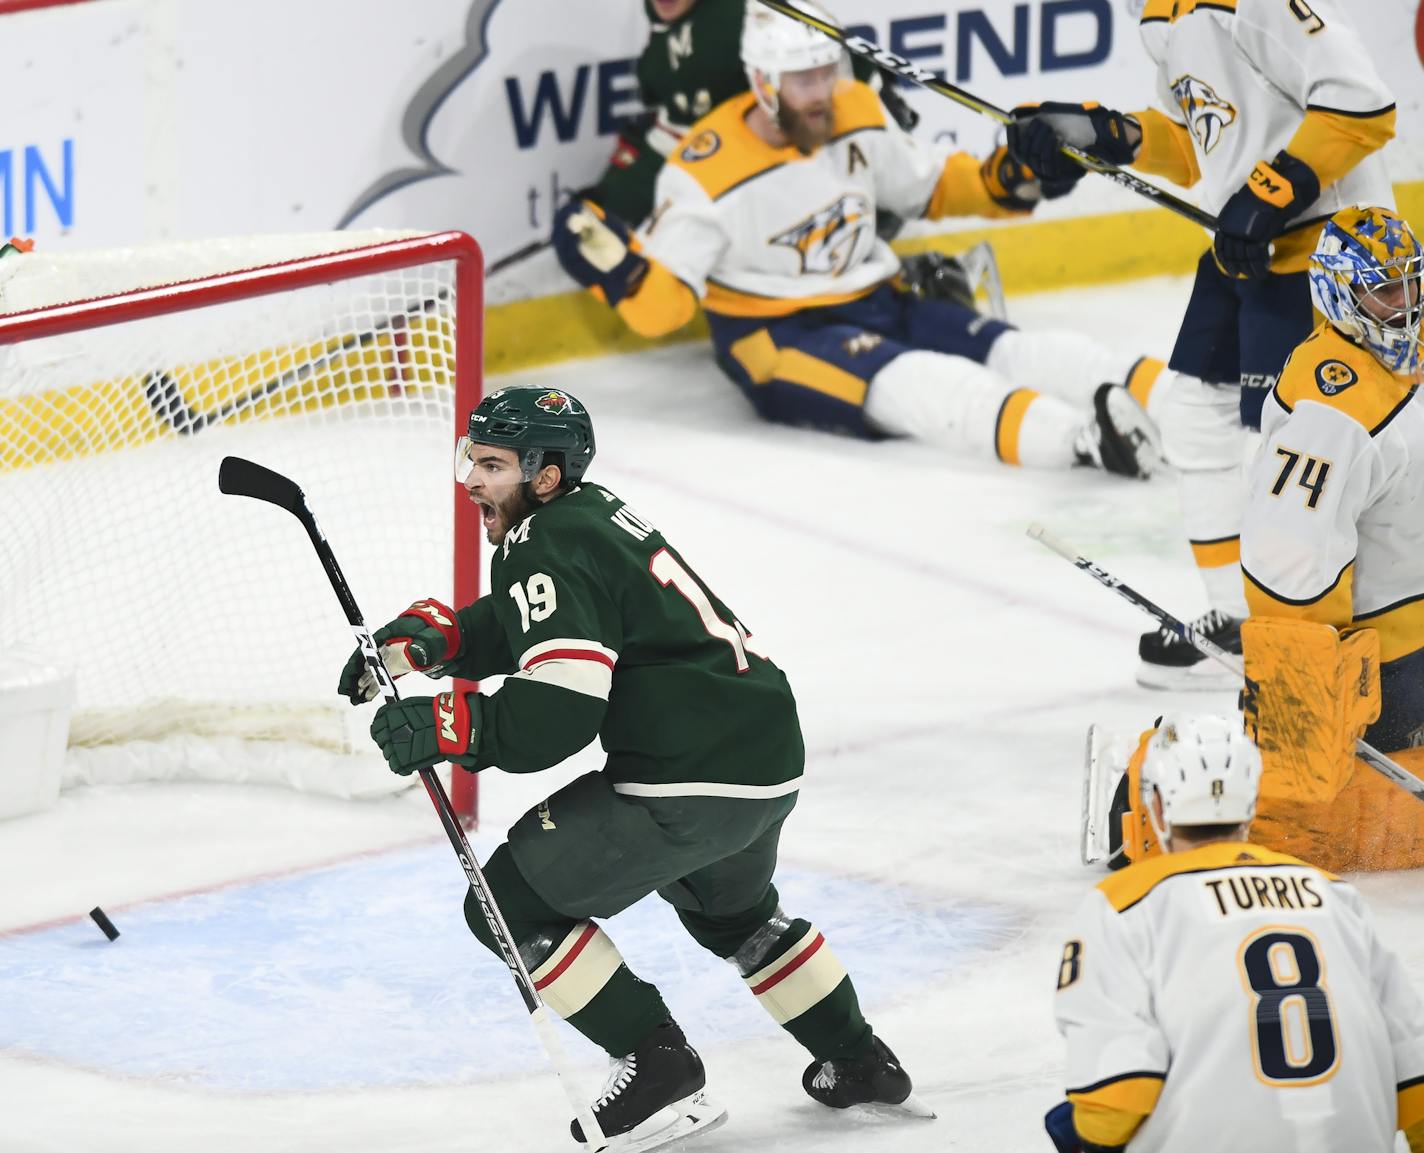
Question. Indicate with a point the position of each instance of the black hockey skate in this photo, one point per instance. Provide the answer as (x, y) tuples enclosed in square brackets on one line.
[(653, 1096), (875, 1080), (1169, 662), (1122, 438)]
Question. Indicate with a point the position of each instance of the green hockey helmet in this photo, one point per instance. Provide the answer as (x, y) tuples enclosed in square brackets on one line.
[(534, 422)]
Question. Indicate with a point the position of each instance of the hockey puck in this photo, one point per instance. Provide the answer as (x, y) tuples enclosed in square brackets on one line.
[(101, 919)]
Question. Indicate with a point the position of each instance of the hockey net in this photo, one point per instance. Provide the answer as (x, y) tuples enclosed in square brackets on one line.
[(202, 632)]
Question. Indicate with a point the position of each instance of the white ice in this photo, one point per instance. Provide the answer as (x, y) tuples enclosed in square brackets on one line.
[(317, 989)]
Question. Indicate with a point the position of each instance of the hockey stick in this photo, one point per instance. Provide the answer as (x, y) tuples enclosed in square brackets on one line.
[(168, 404), (518, 255), (1366, 752), (927, 79), (240, 477)]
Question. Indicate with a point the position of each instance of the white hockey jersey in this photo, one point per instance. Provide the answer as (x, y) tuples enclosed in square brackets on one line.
[(1241, 1001), (754, 230), (1240, 75), (1334, 523)]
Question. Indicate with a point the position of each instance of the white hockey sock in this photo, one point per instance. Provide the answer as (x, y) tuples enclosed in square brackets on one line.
[(1212, 505), (1203, 438), (964, 406), (1061, 364)]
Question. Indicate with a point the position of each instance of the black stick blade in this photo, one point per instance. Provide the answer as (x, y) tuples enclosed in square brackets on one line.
[(238, 477)]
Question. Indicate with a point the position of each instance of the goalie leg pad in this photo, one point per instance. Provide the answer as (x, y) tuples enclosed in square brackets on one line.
[(1138, 839), (1309, 696)]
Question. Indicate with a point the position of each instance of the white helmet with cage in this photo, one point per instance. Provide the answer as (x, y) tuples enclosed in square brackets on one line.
[(1367, 279), (773, 44), (1205, 769)]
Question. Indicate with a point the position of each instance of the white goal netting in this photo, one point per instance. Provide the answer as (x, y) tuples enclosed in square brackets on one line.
[(202, 631)]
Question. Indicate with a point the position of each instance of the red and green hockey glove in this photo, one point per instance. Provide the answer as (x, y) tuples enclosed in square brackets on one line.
[(423, 639), (419, 732)]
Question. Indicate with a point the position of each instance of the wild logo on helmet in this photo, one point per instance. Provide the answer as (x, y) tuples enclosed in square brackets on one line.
[(1207, 114), (555, 402), (827, 240)]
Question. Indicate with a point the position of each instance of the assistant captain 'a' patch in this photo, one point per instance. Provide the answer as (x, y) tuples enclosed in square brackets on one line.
[(1334, 376)]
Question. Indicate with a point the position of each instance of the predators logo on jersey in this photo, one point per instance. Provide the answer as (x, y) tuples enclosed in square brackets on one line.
[(1334, 376), (1206, 113), (828, 240)]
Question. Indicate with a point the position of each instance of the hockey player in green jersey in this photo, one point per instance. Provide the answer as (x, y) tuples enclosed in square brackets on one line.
[(602, 630)]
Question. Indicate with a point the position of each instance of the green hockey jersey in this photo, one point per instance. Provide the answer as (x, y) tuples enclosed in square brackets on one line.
[(606, 631)]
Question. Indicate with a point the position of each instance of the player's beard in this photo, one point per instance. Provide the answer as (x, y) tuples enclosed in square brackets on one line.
[(806, 132), (510, 511)]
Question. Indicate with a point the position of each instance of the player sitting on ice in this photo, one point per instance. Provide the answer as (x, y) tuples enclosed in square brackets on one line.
[(1333, 556), (1193, 991), (767, 216), (602, 631)]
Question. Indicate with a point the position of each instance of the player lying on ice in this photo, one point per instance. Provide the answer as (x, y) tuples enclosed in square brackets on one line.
[(604, 631), (766, 215), (1332, 548), (1222, 996)]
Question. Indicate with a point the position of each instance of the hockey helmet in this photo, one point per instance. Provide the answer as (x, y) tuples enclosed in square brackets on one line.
[(773, 44), (532, 422), (1205, 769), (1366, 276)]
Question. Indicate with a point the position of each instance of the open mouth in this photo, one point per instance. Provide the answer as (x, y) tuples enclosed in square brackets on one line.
[(488, 515)]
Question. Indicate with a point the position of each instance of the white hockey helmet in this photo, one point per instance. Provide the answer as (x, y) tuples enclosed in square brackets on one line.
[(773, 44), (1205, 769)]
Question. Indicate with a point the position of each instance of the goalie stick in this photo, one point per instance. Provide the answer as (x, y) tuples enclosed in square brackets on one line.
[(167, 402), (1381, 764), (239, 477), (900, 66)]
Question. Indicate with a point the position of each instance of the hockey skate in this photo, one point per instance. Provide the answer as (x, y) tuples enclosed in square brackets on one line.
[(1169, 662), (873, 1083), (653, 1097), (1122, 438)]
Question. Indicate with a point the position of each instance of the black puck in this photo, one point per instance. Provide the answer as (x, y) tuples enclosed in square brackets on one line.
[(102, 920)]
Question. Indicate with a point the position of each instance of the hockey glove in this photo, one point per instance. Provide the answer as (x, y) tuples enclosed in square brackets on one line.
[(1009, 183), (1256, 214), (421, 640), (419, 732), (1037, 133), (935, 276), (595, 248), (1059, 1123)]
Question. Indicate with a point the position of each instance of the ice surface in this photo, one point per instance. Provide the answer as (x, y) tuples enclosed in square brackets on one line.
[(316, 988)]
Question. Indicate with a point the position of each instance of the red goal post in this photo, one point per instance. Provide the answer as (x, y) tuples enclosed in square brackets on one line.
[(353, 369)]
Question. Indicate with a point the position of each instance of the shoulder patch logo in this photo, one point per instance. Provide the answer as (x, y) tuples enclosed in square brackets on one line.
[(706, 143), (555, 402), (857, 159), (1206, 113), (1334, 376)]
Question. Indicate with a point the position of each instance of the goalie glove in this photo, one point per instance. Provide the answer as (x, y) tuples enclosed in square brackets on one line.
[(423, 639), (595, 248), (418, 733)]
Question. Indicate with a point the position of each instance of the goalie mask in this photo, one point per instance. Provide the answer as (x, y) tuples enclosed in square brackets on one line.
[(773, 45), (1366, 276), (1205, 769), (533, 422)]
